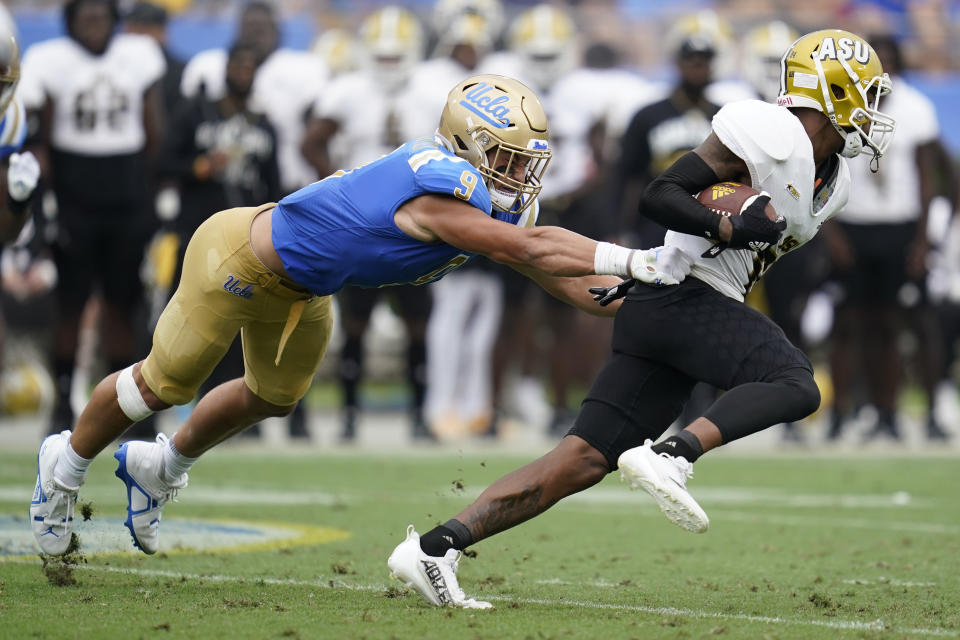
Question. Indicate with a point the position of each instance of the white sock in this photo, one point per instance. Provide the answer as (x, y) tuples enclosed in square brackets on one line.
[(175, 464), (71, 470)]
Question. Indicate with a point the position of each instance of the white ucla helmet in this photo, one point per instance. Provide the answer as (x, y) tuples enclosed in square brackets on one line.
[(490, 113), (393, 42), (839, 74)]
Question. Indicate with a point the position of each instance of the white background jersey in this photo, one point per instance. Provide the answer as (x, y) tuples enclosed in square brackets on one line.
[(98, 100), (892, 194), (777, 151), (287, 83), (426, 93), (372, 121), (578, 100)]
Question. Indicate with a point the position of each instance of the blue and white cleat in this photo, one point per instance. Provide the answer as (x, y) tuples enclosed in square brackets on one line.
[(433, 578), (141, 469), (665, 478), (51, 509)]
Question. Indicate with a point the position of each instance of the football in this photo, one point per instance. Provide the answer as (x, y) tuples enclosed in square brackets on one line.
[(727, 198)]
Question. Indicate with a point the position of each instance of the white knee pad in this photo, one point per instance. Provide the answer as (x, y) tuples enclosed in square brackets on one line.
[(128, 395)]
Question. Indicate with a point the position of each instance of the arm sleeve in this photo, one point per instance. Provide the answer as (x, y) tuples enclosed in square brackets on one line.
[(667, 200)]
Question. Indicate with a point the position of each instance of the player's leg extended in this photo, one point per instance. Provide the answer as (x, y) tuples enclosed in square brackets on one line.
[(429, 564), (192, 334), (268, 388), (717, 340)]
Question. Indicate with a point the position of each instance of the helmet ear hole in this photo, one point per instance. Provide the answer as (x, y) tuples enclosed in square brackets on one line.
[(461, 143), (838, 92)]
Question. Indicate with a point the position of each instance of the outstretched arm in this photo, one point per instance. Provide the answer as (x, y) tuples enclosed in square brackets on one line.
[(553, 251), (575, 291)]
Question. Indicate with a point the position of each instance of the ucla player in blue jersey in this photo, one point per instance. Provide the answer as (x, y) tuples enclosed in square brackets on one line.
[(269, 271), (20, 171)]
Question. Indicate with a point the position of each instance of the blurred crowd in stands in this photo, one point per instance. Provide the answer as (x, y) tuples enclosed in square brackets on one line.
[(172, 128)]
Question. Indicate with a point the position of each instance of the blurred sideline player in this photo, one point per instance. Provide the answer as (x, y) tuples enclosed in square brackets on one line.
[(287, 84), (544, 49), (666, 339), (361, 116), (96, 95), (20, 170), (468, 304), (787, 285), (268, 272), (24, 386), (285, 87), (880, 249), (663, 131)]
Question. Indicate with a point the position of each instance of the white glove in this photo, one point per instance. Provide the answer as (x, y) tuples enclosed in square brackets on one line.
[(23, 173), (660, 266)]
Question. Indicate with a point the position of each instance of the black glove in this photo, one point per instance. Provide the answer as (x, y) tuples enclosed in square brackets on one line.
[(752, 229), (606, 295)]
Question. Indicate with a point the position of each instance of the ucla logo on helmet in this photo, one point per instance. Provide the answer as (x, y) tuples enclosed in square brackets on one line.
[(844, 49), (489, 107)]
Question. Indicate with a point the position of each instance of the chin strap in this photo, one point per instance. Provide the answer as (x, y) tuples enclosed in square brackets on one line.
[(852, 143)]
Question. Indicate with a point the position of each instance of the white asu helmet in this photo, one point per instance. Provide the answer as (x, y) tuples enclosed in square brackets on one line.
[(839, 74), (545, 38), (9, 59), (393, 42), (487, 113), (763, 48)]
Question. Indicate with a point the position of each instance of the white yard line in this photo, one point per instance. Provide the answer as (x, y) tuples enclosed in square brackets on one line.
[(333, 583)]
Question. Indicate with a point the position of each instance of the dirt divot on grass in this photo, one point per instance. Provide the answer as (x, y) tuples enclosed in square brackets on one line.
[(59, 569)]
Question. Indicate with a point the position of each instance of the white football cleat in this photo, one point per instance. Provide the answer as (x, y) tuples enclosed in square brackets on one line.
[(51, 509), (141, 469), (665, 478), (433, 578)]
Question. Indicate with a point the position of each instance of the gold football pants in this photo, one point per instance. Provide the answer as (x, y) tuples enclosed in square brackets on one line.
[(224, 288)]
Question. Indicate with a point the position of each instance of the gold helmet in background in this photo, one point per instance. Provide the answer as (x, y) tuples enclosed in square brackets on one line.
[(839, 74), (487, 113), (393, 42), (546, 39), (338, 48), (763, 49)]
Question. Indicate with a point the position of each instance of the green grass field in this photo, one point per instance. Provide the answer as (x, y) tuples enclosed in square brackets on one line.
[(799, 547)]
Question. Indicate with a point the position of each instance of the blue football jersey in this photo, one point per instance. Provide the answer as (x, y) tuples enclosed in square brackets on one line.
[(340, 231)]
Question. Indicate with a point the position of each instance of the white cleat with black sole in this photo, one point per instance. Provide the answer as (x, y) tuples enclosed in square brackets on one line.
[(665, 478), (433, 578)]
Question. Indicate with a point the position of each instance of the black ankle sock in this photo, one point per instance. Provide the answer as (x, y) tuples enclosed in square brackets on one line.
[(450, 535), (684, 444)]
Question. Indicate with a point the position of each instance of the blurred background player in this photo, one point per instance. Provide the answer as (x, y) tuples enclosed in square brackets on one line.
[(786, 287), (467, 306), (360, 117), (27, 275), (287, 84), (880, 248), (149, 19), (662, 132), (285, 87), (221, 155), (97, 98)]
